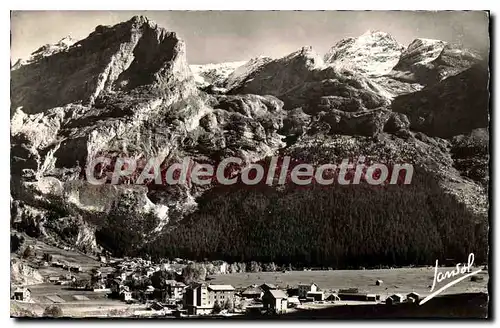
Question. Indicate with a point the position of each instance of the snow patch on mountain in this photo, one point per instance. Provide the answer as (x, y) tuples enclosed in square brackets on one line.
[(213, 74), (374, 53), (46, 50)]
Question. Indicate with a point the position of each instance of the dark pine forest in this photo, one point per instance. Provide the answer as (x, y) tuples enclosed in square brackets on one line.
[(340, 226)]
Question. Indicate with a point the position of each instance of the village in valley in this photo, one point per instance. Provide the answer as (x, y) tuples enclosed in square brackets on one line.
[(104, 286)]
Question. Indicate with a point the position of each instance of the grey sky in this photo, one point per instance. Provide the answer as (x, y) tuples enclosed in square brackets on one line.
[(217, 36)]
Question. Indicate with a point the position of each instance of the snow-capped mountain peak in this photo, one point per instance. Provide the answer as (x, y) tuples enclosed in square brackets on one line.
[(374, 53), (46, 50)]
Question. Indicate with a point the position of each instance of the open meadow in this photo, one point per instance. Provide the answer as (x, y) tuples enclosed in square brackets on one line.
[(401, 280)]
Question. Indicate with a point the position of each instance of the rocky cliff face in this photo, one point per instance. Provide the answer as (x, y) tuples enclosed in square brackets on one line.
[(129, 55), (450, 107), (127, 90), (22, 274)]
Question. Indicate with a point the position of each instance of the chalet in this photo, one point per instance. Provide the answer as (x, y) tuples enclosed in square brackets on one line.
[(333, 298), (124, 288), (126, 296), (175, 289), (306, 288), (57, 264), (22, 294), (413, 297), (394, 299), (275, 301), (103, 259), (293, 301), (379, 282), (54, 279), (252, 292), (267, 287), (221, 293), (315, 296), (371, 298)]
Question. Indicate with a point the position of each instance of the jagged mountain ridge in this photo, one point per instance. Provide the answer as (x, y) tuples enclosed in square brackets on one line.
[(427, 61), (140, 99), (129, 55)]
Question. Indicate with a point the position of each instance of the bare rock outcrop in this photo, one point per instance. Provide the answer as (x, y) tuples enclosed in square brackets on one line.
[(454, 106), (23, 274), (428, 61), (277, 77)]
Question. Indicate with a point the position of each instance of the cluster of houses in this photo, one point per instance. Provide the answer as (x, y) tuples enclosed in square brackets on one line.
[(266, 298), (129, 282)]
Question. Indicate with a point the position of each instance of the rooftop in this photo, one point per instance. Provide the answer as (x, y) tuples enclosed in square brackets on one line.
[(252, 290), (277, 293), (221, 287)]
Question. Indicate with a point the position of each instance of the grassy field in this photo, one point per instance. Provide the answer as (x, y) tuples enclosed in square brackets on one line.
[(74, 303), (403, 280)]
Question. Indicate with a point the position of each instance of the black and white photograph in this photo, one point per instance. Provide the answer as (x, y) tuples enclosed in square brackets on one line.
[(250, 165)]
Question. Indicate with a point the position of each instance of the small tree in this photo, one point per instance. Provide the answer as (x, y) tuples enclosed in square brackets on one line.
[(269, 267), (15, 242), (159, 277), (53, 311), (255, 267), (194, 272), (217, 308), (229, 305), (28, 252)]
